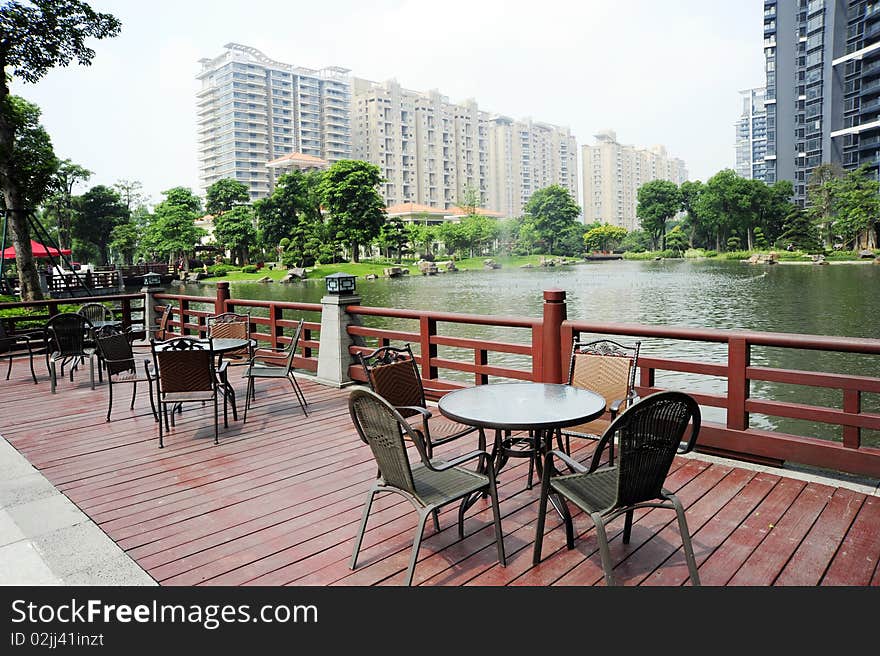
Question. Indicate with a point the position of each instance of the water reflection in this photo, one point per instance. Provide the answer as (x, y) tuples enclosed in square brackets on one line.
[(806, 299)]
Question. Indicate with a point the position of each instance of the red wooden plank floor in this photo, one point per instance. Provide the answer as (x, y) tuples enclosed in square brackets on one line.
[(278, 503)]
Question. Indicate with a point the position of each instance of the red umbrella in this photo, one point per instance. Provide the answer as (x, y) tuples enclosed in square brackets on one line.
[(38, 249)]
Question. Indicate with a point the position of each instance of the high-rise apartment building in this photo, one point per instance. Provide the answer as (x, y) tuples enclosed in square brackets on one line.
[(823, 86), (751, 135), (525, 156), (613, 173), (252, 110), (428, 149)]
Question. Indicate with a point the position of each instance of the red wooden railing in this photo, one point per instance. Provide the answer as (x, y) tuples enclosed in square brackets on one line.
[(128, 308), (189, 316)]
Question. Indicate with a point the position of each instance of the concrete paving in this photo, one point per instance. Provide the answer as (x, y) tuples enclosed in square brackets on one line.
[(46, 540)]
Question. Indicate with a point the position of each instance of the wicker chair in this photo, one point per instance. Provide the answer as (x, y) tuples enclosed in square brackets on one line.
[(30, 344), (609, 369), (427, 485), (650, 434), (393, 374), (118, 359), (230, 325), (69, 341), (283, 370), (186, 373), (96, 312)]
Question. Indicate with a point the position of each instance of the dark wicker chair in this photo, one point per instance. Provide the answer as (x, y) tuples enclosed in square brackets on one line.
[(118, 360), (650, 433), (609, 369), (427, 485), (284, 369), (30, 344), (394, 375), (70, 339), (187, 373)]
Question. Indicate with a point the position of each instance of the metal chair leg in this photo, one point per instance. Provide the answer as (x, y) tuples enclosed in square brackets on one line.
[(542, 513), (686, 540), (604, 551), (496, 515), (627, 526), (417, 543), (110, 402), (363, 527)]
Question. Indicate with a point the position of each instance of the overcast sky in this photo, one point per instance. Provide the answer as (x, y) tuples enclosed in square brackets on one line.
[(655, 71)]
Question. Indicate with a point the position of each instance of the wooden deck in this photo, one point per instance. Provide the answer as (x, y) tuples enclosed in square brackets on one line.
[(279, 500)]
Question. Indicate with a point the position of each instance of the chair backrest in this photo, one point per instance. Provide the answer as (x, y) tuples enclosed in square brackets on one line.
[(230, 325), (382, 428), (68, 333), (394, 375), (185, 364), (649, 434), (294, 343), (96, 312), (116, 351), (605, 367)]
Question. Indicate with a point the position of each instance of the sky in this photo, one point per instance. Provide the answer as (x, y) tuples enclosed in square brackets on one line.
[(655, 71)]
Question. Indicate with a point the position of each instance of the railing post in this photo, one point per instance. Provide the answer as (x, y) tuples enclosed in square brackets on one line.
[(737, 383), (334, 357), (555, 312), (427, 330), (852, 402), (126, 313), (222, 297)]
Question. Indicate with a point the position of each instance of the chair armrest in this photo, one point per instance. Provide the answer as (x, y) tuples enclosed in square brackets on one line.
[(574, 464), (614, 406), (459, 460), (426, 414)]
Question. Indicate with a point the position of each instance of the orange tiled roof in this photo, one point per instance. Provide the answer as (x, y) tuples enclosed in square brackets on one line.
[(298, 159), (477, 210), (414, 208)]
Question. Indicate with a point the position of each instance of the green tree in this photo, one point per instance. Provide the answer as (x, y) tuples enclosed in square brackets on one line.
[(551, 211), (821, 190), (100, 210), (393, 238), (30, 169), (636, 241), (469, 199), (604, 238), (225, 194), (527, 238), (234, 230), (293, 212), (453, 235), (658, 201), (857, 208), (422, 236), (722, 204), (172, 232), (356, 209), (36, 36), (479, 231), (124, 239), (130, 192), (690, 192), (67, 177), (676, 240), (800, 232)]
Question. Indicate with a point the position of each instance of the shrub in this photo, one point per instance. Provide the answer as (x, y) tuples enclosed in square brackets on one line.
[(736, 255), (250, 268), (218, 270)]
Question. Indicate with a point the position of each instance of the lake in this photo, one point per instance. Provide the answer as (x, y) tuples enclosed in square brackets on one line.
[(822, 300)]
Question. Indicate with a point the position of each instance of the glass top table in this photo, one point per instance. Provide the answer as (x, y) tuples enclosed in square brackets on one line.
[(540, 408)]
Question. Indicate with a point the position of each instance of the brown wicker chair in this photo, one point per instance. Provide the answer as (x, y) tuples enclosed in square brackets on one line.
[(96, 312), (230, 325), (23, 344), (284, 369), (118, 360), (650, 433), (186, 373), (393, 374), (609, 369), (427, 485)]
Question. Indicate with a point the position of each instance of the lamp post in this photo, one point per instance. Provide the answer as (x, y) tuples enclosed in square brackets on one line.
[(334, 358)]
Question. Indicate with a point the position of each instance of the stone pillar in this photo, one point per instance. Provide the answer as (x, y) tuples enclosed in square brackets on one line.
[(333, 356), (555, 312), (149, 308)]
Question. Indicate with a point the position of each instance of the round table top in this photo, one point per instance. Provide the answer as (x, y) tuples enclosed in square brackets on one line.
[(522, 406), (224, 344)]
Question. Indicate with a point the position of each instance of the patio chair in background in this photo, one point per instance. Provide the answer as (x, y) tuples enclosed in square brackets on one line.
[(232, 326), (393, 374), (650, 433), (609, 369), (426, 485), (186, 373), (95, 312), (69, 336), (31, 343), (284, 369), (117, 357)]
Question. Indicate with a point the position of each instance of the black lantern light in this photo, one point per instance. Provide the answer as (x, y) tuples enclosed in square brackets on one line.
[(340, 283), (152, 279)]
